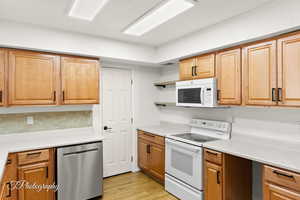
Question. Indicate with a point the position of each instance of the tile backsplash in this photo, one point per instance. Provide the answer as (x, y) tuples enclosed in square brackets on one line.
[(17, 123)]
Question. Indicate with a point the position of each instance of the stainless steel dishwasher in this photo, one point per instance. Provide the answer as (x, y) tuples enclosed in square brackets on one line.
[(80, 171)]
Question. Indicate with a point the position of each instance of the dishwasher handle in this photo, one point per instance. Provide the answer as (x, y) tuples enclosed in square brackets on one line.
[(80, 152)]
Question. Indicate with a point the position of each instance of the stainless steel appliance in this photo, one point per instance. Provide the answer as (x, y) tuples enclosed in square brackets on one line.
[(184, 176), (80, 171), (197, 93)]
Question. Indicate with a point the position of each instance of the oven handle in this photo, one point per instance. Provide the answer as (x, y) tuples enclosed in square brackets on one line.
[(202, 96), (184, 146)]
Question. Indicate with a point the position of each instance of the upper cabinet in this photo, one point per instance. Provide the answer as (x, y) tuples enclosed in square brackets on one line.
[(186, 69), (36, 78), (197, 67), (228, 72), (259, 74), (289, 71), (80, 80), (3, 62), (205, 66), (33, 78)]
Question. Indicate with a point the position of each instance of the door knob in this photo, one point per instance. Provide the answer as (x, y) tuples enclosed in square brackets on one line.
[(106, 128)]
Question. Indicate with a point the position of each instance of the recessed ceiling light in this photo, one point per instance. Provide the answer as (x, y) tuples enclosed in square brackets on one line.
[(165, 11), (86, 9)]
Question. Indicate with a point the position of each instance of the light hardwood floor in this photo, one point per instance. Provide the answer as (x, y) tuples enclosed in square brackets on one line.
[(134, 186)]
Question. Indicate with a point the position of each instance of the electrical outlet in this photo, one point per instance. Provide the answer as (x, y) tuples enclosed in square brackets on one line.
[(29, 120)]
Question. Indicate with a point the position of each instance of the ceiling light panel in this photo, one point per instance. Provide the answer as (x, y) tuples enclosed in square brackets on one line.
[(86, 9), (158, 15)]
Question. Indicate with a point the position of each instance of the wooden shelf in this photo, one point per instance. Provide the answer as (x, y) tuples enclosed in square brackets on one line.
[(164, 84), (165, 104)]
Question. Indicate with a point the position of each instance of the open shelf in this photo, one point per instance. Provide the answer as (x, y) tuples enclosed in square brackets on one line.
[(165, 83), (164, 104)]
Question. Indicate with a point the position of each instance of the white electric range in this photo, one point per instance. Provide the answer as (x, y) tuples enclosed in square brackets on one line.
[(184, 157)]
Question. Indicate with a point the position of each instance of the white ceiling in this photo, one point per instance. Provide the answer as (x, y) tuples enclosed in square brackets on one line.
[(118, 14)]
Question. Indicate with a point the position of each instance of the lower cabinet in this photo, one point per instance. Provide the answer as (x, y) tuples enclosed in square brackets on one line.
[(32, 170), (151, 155), (226, 177), (280, 184), (10, 175)]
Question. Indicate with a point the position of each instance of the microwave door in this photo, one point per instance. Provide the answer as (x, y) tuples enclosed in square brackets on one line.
[(189, 96)]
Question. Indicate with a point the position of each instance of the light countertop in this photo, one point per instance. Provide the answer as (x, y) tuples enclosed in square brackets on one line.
[(276, 153), (44, 139), (166, 128)]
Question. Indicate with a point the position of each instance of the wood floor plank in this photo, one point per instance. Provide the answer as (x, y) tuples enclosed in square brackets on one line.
[(134, 186)]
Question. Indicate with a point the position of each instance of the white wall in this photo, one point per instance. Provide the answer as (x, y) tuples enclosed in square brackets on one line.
[(280, 123), (274, 17), (37, 38)]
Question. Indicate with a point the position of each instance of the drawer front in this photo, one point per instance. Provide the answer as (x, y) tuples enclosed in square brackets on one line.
[(282, 177), (152, 138), (213, 156), (33, 156)]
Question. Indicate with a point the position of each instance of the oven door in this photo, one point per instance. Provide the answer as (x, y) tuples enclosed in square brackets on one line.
[(189, 96), (184, 162)]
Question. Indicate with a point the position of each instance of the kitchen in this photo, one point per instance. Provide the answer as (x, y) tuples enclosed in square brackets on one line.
[(141, 109)]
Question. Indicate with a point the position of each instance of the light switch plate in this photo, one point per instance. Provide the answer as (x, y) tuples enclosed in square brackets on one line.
[(29, 120)]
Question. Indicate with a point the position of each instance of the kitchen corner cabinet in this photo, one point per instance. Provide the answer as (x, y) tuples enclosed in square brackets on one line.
[(226, 177), (33, 78), (10, 174), (197, 67), (36, 167), (279, 184), (260, 74), (228, 73), (151, 155), (289, 70), (80, 80), (3, 63)]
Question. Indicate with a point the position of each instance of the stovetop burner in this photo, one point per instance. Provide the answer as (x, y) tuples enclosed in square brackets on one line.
[(195, 137)]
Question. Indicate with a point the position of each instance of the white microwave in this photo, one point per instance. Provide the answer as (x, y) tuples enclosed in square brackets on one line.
[(197, 93)]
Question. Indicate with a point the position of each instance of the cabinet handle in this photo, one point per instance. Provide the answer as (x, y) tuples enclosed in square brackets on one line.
[(148, 148), (283, 174), (1, 96), (63, 95), (35, 154), (212, 153), (8, 162), (218, 178), (54, 96), (218, 95), (47, 172), (274, 94), (8, 185), (279, 94), (195, 70)]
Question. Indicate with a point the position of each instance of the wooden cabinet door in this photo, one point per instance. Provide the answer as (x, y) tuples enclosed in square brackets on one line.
[(186, 69), (33, 78), (9, 177), (259, 74), (36, 174), (274, 192), (3, 63), (289, 70), (205, 66), (229, 77), (157, 161), (143, 154), (213, 181), (80, 80)]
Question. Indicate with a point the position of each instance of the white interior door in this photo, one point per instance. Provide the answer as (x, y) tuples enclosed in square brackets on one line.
[(116, 125)]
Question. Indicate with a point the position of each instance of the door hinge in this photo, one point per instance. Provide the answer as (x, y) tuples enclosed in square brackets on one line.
[(131, 120), (131, 158)]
